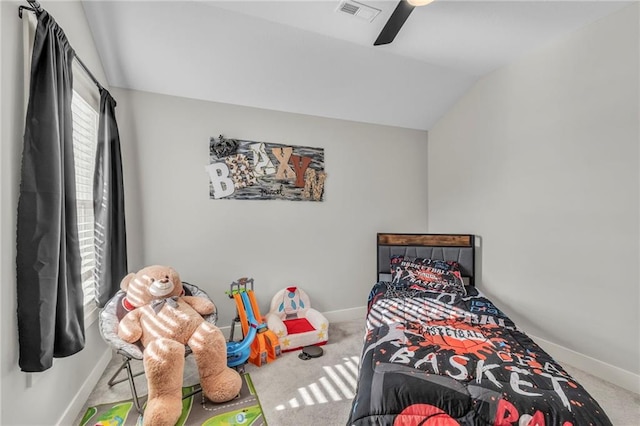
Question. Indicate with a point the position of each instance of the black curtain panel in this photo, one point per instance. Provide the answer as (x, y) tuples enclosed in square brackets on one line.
[(50, 297), (108, 205)]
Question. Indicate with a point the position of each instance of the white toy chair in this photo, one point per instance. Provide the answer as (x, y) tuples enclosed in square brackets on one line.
[(294, 321)]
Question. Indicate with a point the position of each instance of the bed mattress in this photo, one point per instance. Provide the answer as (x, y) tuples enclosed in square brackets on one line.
[(437, 358)]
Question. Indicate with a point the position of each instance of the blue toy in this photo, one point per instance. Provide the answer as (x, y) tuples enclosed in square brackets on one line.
[(238, 352)]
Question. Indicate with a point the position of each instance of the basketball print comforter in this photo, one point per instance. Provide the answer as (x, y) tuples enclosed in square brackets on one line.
[(433, 358)]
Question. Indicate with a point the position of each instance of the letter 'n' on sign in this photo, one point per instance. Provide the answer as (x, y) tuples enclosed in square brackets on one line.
[(313, 184)]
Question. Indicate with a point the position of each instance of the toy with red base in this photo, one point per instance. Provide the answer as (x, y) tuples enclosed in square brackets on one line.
[(295, 322)]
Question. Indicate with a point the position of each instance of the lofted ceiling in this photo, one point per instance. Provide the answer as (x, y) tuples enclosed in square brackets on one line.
[(308, 57)]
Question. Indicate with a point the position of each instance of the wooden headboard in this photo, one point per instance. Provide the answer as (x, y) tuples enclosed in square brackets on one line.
[(458, 247)]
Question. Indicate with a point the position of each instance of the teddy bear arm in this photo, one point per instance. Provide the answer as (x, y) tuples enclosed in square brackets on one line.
[(130, 329), (201, 305)]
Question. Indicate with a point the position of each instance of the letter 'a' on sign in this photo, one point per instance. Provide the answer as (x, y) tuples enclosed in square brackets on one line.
[(262, 164), (221, 183)]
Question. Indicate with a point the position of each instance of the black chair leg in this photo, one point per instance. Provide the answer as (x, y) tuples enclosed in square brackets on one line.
[(126, 365), (132, 385)]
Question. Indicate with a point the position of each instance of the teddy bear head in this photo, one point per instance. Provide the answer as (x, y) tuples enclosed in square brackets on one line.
[(151, 283)]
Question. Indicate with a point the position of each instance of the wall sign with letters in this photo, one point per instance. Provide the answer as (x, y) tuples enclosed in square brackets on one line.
[(247, 170)]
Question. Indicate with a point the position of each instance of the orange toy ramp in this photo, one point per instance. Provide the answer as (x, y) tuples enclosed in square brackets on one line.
[(268, 340), (265, 347)]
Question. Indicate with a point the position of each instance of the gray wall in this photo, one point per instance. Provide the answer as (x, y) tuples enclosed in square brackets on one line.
[(540, 159), (544, 156), (54, 395), (375, 183), (327, 248)]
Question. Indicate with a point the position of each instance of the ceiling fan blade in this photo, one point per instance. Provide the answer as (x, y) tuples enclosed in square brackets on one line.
[(395, 22)]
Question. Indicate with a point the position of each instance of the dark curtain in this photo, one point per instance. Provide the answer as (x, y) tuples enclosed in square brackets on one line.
[(108, 205), (50, 297)]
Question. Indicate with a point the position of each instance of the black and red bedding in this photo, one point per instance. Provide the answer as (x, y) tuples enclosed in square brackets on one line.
[(441, 355)]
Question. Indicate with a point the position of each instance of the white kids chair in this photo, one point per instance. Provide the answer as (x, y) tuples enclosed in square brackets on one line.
[(295, 322)]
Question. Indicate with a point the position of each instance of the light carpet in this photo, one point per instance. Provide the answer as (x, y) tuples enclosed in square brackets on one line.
[(319, 391)]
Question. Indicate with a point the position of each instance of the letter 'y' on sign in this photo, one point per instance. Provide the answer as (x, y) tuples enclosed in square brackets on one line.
[(300, 165), (221, 183)]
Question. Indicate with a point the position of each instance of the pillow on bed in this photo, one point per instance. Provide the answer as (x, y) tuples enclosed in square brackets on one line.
[(430, 274), (447, 265)]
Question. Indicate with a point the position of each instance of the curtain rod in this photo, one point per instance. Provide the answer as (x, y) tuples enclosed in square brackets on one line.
[(37, 9)]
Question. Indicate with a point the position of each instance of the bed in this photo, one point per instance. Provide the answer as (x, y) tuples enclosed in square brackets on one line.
[(438, 352)]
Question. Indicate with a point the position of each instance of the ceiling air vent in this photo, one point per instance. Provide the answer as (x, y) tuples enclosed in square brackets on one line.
[(360, 10)]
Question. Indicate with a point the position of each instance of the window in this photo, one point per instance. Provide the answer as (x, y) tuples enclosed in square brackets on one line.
[(85, 138), (85, 105)]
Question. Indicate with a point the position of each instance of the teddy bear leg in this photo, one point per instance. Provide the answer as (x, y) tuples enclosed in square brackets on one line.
[(219, 382), (164, 367)]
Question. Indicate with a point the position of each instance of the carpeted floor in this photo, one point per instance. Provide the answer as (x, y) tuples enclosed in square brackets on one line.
[(319, 391), (195, 410), (291, 391)]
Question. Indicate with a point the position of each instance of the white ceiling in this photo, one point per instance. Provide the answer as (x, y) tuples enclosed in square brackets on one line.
[(306, 57)]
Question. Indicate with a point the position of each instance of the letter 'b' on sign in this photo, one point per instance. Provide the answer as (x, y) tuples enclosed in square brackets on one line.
[(221, 183)]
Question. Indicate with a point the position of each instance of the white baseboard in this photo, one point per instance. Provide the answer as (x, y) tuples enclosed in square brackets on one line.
[(346, 314), (72, 411), (332, 316), (610, 373)]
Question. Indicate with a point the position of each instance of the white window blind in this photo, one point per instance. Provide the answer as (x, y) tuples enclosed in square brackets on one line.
[(85, 137)]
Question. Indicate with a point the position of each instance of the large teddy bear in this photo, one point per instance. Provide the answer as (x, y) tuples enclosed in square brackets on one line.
[(164, 320)]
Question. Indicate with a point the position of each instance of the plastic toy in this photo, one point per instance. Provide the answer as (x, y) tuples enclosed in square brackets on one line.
[(239, 352), (265, 347), (295, 322)]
